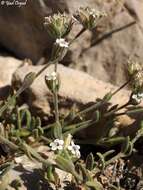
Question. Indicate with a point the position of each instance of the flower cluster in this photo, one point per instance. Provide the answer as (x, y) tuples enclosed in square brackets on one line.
[(62, 42), (52, 76), (72, 148), (52, 81), (136, 98), (57, 144), (88, 17), (58, 25)]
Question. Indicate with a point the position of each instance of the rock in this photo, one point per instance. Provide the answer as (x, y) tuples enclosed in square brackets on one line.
[(8, 65), (135, 8), (4, 181), (121, 36), (76, 87), (29, 173), (23, 33)]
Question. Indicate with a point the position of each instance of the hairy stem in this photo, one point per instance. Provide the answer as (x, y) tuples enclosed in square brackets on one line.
[(78, 35), (117, 109), (9, 143), (121, 87)]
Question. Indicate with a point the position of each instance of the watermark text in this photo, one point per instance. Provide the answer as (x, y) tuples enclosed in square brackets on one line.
[(18, 3)]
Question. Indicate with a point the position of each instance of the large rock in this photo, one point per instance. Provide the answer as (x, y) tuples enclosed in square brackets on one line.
[(121, 37), (76, 87), (8, 65), (23, 33)]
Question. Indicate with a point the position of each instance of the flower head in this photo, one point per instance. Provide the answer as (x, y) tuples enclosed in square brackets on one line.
[(74, 149), (53, 81), (57, 144), (88, 17), (52, 76), (62, 42), (136, 98), (133, 67), (58, 25)]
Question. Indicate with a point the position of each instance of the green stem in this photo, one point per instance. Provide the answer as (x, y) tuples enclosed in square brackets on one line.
[(77, 125), (48, 126), (101, 103), (121, 87), (111, 142), (56, 106), (123, 106), (117, 109), (37, 75), (78, 35), (9, 143), (18, 119), (22, 88), (55, 96), (5, 106), (45, 139), (103, 143), (43, 69), (77, 129), (138, 110), (95, 106), (26, 148), (136, 138)]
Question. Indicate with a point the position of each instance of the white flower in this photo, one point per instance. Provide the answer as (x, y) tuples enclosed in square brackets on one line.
[(74, 149), (62, 42), (92, 12), (89, 17), (57, 144), (52, 76), (96, 14), (137, 97)]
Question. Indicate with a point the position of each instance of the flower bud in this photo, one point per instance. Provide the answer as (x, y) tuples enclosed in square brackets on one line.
[(88, 17), (53, 82), (60, 49), (68, 140), (58, 25), (133, 67), (28, 80), (135, 71), (138, 83)]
